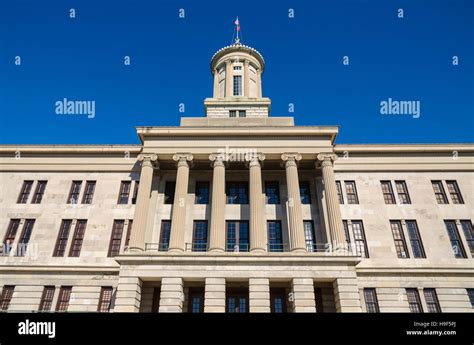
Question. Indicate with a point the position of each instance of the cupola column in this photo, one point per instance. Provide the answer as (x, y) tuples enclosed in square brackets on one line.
[(246, 78), (228, 78)]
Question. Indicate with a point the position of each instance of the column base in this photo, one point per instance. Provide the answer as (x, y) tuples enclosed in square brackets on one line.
[(299, 250), (135, 250), (216, 251), (258, 251), (175, 250)]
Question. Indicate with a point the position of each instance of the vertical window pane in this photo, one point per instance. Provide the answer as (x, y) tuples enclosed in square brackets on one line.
[(439, 192), (237, 85), (116, 238), (47, 298), (432, 302), (202, 193), (339, 192), (165, 235), (309, 235), (399, 239), (305, 192), (454, 191), (278, 300), (359, 238), (453, 234), (88, 192), (74, 192), (105, 299), (7, 294), (470, 293), (414, 301), (39, 192), (351, 192), (25, 237), (468, 234), (371, 301), (237, 193), (272, 192), (200, 236), (10, 236), (237, 236), (78, 238), (170, 187), (63, 236), (318, 296), (124, 192), (25, 192), (275, 241), (415, 239), (387, 191), (402, 191), (63, 299), (135, 192), (196, 300)]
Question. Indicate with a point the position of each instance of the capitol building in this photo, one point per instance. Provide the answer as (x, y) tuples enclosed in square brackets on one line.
[(237, 211)]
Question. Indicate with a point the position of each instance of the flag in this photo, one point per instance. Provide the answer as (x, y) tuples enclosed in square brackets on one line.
[(237, 23)]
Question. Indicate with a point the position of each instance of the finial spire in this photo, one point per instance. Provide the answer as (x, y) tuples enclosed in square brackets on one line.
[(237, 25)]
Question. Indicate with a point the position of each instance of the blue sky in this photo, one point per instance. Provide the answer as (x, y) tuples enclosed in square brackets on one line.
[(389, 57)]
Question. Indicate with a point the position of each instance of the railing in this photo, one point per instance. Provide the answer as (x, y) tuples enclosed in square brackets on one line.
[(158, 247), (196, 247), (236, 248), (344, 249), (277, 247)]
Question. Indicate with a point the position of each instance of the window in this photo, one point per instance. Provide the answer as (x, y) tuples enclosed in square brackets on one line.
[(237, 68), (454, 191), (88, 192), (309, 235), (39, 192), (237, 193), (63, 236), (232, 113), (237, 300), (135, 192), (47, 298), (202, 193), (371, 301), (466, 226), (165, 235), (237, 85), (10, 236), (25, 237), (170, 187), (105, 299), (242, 113), (63, 299), (272, 191), (387, 192), (7, 294), (305, 192), (74, 192), (278, 300), (453, 234), (78, 238), (339, 192), (415, 239), (200, 236), (399, 238), (414, 301), (196, 300), (470, 293), (439, 192), (402, 192), (431, 300), (351, 192), (318, 297), (237, 236), (25, 192), (124, 192), (275, 238), (116, 238), (359, 238)]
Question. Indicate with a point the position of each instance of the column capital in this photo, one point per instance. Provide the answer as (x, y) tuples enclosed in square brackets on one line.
[(254, 159), (246, 62), (217, 159), (325, 159), (148, 159), (182, 159), (290, 158)]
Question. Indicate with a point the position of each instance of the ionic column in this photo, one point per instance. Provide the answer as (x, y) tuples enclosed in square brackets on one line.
[(137, 237), (217, 229), (216, 83), (178, 216), (295, 215), (228, 78), (258, 230), (336, 228), (246, 78)]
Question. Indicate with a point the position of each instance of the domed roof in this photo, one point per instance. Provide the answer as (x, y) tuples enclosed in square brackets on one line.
[(237, 46)]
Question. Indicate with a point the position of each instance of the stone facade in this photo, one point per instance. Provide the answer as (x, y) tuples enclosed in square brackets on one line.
[(159, 265)]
